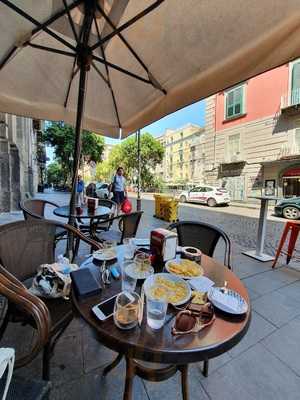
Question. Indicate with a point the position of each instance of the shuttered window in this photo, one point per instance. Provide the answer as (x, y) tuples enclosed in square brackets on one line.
[(297, 139), (234, 102), (295, 92)]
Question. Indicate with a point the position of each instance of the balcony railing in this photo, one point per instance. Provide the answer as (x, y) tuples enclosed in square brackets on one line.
[(291, 99)]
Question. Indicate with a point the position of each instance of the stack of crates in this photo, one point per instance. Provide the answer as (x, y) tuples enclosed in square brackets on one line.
[(166, 207)]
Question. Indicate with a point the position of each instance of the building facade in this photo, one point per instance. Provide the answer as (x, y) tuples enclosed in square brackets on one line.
[(252, 144), (18, 160), (184, 155)]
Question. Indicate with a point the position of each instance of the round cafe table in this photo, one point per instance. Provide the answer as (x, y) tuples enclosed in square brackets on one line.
[(64, 212), (160, 346)]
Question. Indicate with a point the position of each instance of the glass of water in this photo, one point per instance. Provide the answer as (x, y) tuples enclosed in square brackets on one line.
[(128, 278), (129, 248), (156, 309)]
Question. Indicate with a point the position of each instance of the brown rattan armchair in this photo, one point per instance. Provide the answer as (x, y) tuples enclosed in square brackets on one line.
[(128, 226), (24, 245)]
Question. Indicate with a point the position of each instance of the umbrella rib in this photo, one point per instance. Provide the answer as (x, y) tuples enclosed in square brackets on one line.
[(52, 50), (38, 24), (128, 23), (73, 74), (107, 75), (132, 51), (100, 73), (120, 69), (37, 29), (70, 20)]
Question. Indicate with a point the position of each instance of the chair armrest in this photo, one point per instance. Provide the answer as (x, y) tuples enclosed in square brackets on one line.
[(33, 307), (76, 232), (52, 203)]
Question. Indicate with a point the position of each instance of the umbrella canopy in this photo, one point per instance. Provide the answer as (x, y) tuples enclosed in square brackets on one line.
[(147, 58)]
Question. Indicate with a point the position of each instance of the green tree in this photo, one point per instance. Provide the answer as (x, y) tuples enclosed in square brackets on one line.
[(54, 173), (103, 172), (125, 155), (62, 137)]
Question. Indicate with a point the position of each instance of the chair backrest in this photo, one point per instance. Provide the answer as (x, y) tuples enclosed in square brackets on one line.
[(129, 224), (24, 245), (203, 236), (35, 208)]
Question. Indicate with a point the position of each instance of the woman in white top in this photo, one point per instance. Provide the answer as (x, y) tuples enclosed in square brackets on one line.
[(118, 187)]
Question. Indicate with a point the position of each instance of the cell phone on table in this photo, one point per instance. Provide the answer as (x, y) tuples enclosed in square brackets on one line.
[(105, 309)]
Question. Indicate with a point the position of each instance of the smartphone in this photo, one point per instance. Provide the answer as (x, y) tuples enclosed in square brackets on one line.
[(105, 309)]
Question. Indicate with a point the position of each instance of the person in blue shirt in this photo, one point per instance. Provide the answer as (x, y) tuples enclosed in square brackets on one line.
[(79, 192), (118, 187)]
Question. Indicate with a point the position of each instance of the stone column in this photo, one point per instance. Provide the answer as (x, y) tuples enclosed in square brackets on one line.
[(14, 159)]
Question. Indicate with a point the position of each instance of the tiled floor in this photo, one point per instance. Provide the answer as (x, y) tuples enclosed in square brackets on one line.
[(264, 365)]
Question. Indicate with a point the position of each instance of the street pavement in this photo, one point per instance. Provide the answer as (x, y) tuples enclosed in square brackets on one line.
[(265, 365)]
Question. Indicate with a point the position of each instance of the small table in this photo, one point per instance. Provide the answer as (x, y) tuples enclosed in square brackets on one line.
[(100, 211), (258, 253), (161, 346)]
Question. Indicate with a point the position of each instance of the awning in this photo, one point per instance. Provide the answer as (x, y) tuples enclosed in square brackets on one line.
[(179, 52)]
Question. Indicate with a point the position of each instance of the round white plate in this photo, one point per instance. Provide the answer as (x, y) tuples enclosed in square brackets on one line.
[(105, 255), (228, 300), (151, 281), (180, 276), (133, 271)]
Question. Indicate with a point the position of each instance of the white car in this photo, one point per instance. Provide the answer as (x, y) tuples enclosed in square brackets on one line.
[(209, 195), (102, 190)]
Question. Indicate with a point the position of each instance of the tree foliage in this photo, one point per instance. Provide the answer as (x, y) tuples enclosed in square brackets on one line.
[(62, 137), (126, 155), (54, 173)]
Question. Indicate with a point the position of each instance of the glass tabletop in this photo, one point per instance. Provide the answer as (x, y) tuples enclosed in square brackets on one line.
[(100, 211)]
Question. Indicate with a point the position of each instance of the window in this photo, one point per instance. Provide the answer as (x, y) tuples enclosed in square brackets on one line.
[(295, 92), (233, 147), (234, 102)]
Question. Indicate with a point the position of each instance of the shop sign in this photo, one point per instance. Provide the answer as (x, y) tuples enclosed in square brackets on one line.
[(233, 169), (292, 172)]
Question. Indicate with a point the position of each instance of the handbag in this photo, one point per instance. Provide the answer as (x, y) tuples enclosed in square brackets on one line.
[(126, 206)]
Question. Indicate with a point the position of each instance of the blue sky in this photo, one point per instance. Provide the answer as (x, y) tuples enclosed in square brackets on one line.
[(194, 114)]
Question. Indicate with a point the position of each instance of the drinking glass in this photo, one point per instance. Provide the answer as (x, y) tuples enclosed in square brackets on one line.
[(142, 260), (156, 309), (129, 248), (128, 278), (127, 310)]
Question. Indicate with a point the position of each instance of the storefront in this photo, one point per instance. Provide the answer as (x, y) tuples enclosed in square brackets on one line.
[(282, 178), (291, 182)]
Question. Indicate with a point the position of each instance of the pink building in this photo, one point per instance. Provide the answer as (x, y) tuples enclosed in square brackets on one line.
[(253, 135)]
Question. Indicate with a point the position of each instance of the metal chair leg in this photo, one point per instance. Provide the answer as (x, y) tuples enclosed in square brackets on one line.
[(205, 368), (112, 365)]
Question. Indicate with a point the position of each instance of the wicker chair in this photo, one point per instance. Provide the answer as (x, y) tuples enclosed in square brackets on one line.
[(128, 226), (35, 209), (24, 245), (205, 237)]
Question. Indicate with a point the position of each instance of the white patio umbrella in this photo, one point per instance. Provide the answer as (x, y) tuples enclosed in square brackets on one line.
[(118, 65)]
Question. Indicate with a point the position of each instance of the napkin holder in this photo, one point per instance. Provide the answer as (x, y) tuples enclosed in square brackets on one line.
[(163, 245)]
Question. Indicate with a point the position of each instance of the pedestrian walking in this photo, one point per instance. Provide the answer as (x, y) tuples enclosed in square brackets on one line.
[(79, 192), (118, 188)]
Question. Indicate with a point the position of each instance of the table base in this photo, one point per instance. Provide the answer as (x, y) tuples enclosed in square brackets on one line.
[(263, 257)]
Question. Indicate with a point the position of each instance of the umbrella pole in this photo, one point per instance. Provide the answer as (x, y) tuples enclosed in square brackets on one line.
[(138, 200), (84, 59)]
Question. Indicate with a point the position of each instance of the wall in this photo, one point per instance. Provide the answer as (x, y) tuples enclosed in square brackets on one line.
[(263, 96)]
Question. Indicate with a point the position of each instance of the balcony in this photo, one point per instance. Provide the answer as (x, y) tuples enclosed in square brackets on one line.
[(290, 103)]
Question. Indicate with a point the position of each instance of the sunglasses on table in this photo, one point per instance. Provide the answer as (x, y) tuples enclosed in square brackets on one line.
[(193, 319)]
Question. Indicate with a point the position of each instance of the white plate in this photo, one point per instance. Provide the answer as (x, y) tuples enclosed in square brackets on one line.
[(133, 271), (151, 281), (228, 300), (105, 254), (178, 275)]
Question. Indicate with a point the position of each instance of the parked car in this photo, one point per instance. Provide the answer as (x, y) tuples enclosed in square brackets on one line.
[(209, 195), (102, 190), (288, 208)]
